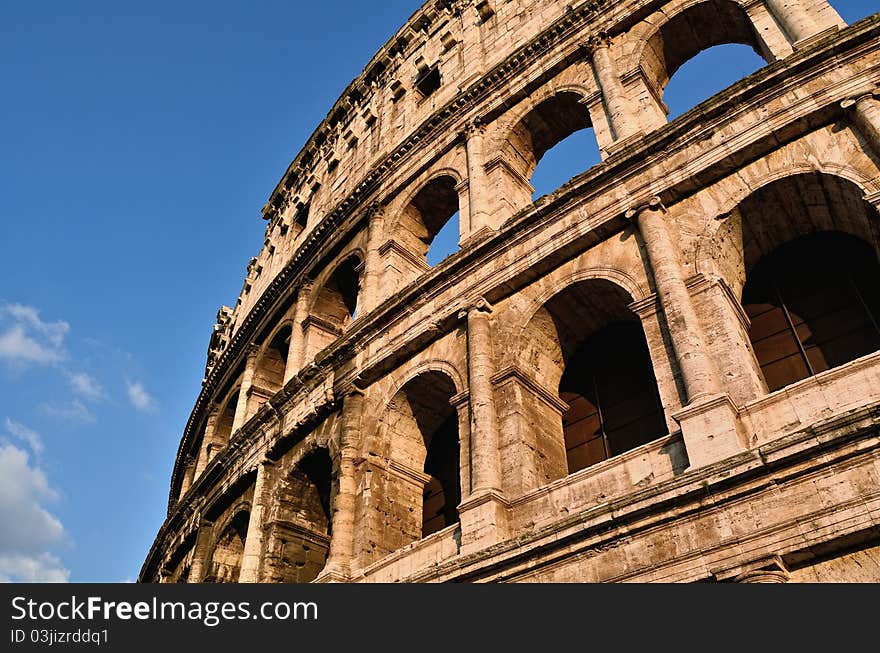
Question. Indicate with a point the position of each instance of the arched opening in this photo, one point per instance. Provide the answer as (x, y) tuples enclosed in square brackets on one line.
[(225, 420), (586, 344), (334, 306), (445, 243), (420, 434), (429, 226), (565, 160), (549, 126), (226, 558), (814, 304), (708, 73), (269, 371), (336, 301), (810, 277), (687, 34), (299, 533)]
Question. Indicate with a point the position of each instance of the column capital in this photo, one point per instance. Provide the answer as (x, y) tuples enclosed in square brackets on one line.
[(655, 204), (853, 100), (375, 210), (253, 350), (475, 127), (478, 305), (600, 40)]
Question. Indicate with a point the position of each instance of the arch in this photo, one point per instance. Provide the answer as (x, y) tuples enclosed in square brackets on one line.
[(271, 363), (300, 528), (668, 40), (337, 290), (586, 346), (418, 435), (228, 549), (537, 129), (753, 179), (427, 212), (226, 418), (802, 254), (333, 305)]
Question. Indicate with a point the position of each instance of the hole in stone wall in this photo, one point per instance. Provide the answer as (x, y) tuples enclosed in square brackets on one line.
[(429, 81)]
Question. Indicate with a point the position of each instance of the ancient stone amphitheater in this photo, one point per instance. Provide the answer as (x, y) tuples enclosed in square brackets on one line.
[(666, 370)]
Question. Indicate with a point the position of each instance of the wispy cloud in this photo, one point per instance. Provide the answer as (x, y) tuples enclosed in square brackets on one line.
[(28, 436), (140, 398), (29, 529), (26, 339), (85, 386), (73, 410)]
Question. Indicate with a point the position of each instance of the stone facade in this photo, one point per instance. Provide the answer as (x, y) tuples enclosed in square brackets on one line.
[(592, 388)]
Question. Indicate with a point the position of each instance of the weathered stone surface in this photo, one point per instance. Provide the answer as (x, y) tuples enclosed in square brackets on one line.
[(366, 417)]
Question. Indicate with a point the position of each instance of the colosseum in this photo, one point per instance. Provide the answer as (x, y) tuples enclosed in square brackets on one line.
[(667, 370)]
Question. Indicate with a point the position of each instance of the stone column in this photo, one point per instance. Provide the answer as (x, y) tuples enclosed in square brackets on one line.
[(372, 291), (697, 371), (478, 186), (485, 453), (244, 391), (797, 21), (710, 424), (344, 498), (864, 111), (200, 553), (297, 337), (620, 118), (251, 557), (483, 514)]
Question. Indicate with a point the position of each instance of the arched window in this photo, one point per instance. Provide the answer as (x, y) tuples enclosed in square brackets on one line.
[(269, 371), (701, 26), (613, 401), (225, 420), (814, 304), (419, 431), (429, 226), (559, 127), (299, 534), (226, 558), (708, 73), (586, 344), (334, 307)]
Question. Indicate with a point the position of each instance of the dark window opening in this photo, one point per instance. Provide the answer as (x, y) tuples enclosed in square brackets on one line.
[(614, 405), (302, 215), (429, 81), (814, 304), (442, 494)]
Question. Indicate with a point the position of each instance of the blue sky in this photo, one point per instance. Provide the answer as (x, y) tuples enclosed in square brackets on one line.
[(139, 142)]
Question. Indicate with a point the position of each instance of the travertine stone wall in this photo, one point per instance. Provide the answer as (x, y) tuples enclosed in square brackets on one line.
[(313, 445)]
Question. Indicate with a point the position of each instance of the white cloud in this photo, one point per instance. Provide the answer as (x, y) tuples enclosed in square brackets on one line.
[(140, 398), (39, 568), (85, 386), (29, 530), (74, 411), (28, 339), (26, 435)]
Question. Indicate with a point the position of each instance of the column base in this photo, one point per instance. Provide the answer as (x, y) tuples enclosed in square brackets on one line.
[(623, 143), (803, 44), (334, 574), (711, 430), (484, 520)]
